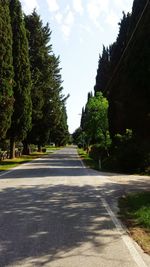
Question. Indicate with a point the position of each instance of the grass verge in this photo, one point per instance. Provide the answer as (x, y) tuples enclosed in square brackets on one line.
[(135, 213), (52, 148), (89, 162), (11, 163)]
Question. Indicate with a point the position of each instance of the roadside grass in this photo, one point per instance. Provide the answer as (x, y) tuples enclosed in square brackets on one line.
[(135, 213), (11, 163), (52, 148), (89, 162)]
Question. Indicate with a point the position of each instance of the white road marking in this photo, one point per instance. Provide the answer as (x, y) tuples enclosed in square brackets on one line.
[(127, 240), (82, 163), (125, 237), (18, 167), (6, 172)]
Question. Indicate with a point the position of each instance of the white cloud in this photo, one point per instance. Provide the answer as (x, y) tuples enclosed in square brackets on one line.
[(66, 30), (77, 5), (69, 18), (96, 8), (53, 5), (29, 5), (86, 28), (58, 17), (65, 18), (112, 19), (81, 40), (67, 24), (124, 5)]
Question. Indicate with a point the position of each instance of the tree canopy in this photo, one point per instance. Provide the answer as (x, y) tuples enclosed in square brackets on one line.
[(6, 69), (22, 110), (32, 104)]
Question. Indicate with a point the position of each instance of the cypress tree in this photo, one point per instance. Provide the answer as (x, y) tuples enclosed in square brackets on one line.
[(39, 50), (21, 118), (129, 90), (46, 89), (138, 73), (103, 71), (6, 69)]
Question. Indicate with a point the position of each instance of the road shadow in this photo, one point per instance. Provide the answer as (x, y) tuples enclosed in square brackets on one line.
[(39, 221), (53, 166)]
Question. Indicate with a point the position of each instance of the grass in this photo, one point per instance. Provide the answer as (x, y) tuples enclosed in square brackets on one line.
[(135, 212), (89, 162), (52, 148), (11, 163)]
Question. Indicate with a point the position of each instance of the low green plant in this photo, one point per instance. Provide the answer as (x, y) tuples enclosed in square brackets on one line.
[(135, 213), (11, 163), (87, 159), (136, 207)]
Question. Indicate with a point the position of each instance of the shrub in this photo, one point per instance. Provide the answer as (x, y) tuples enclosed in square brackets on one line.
[(97, 152), (131, 155)]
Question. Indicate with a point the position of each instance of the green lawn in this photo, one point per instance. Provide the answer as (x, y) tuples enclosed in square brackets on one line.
[(135, 212), (11, 163)]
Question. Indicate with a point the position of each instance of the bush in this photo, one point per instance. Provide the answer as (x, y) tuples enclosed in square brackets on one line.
[(97, 152), (110, 164), (131, 155), (80, 146)]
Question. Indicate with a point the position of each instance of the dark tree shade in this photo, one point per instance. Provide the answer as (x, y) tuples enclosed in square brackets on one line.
[(124, 71), (6, 69), (103, 71)]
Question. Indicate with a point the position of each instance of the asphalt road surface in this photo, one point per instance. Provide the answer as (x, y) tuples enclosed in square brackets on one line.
[(55, 212)]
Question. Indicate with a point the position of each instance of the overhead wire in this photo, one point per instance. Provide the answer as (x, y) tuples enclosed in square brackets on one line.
[(130, 39)]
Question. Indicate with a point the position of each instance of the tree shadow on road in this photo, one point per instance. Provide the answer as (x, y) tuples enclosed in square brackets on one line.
[(41, 224)]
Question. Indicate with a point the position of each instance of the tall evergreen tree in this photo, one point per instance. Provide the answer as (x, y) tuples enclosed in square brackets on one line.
[(103, 72), (6, 69), (47, 88), (138, 73), (39, 54), (21, 118), (130, 94)]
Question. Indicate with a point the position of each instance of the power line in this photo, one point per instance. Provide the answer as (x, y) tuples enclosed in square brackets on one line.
[(131, 37)]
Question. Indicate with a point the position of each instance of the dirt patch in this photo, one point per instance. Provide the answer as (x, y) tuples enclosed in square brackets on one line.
[(141, 236)]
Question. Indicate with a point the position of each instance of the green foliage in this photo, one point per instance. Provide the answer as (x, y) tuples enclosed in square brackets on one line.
[(32, 106), (6, 69), (59, 133), (103, 71), (95, 122), (98, 152), (128, 154), (38, 37), (49, 114), (87, 159), (21, 119), (123, 77), (79, 137), (137, 207)]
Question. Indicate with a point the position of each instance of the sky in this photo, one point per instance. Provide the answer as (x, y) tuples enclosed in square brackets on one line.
[(79, 28)]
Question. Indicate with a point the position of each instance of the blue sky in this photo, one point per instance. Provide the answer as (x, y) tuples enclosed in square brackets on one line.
[(79, 29)]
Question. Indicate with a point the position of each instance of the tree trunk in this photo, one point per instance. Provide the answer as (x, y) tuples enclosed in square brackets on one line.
[(26, 148), (12, 148), (39, 148)]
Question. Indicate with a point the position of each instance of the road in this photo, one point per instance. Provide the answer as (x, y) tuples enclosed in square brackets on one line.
[(54, 212)]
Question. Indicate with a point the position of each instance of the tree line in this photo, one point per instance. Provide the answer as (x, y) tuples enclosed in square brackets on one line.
[(123, 79), (32, 104)]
